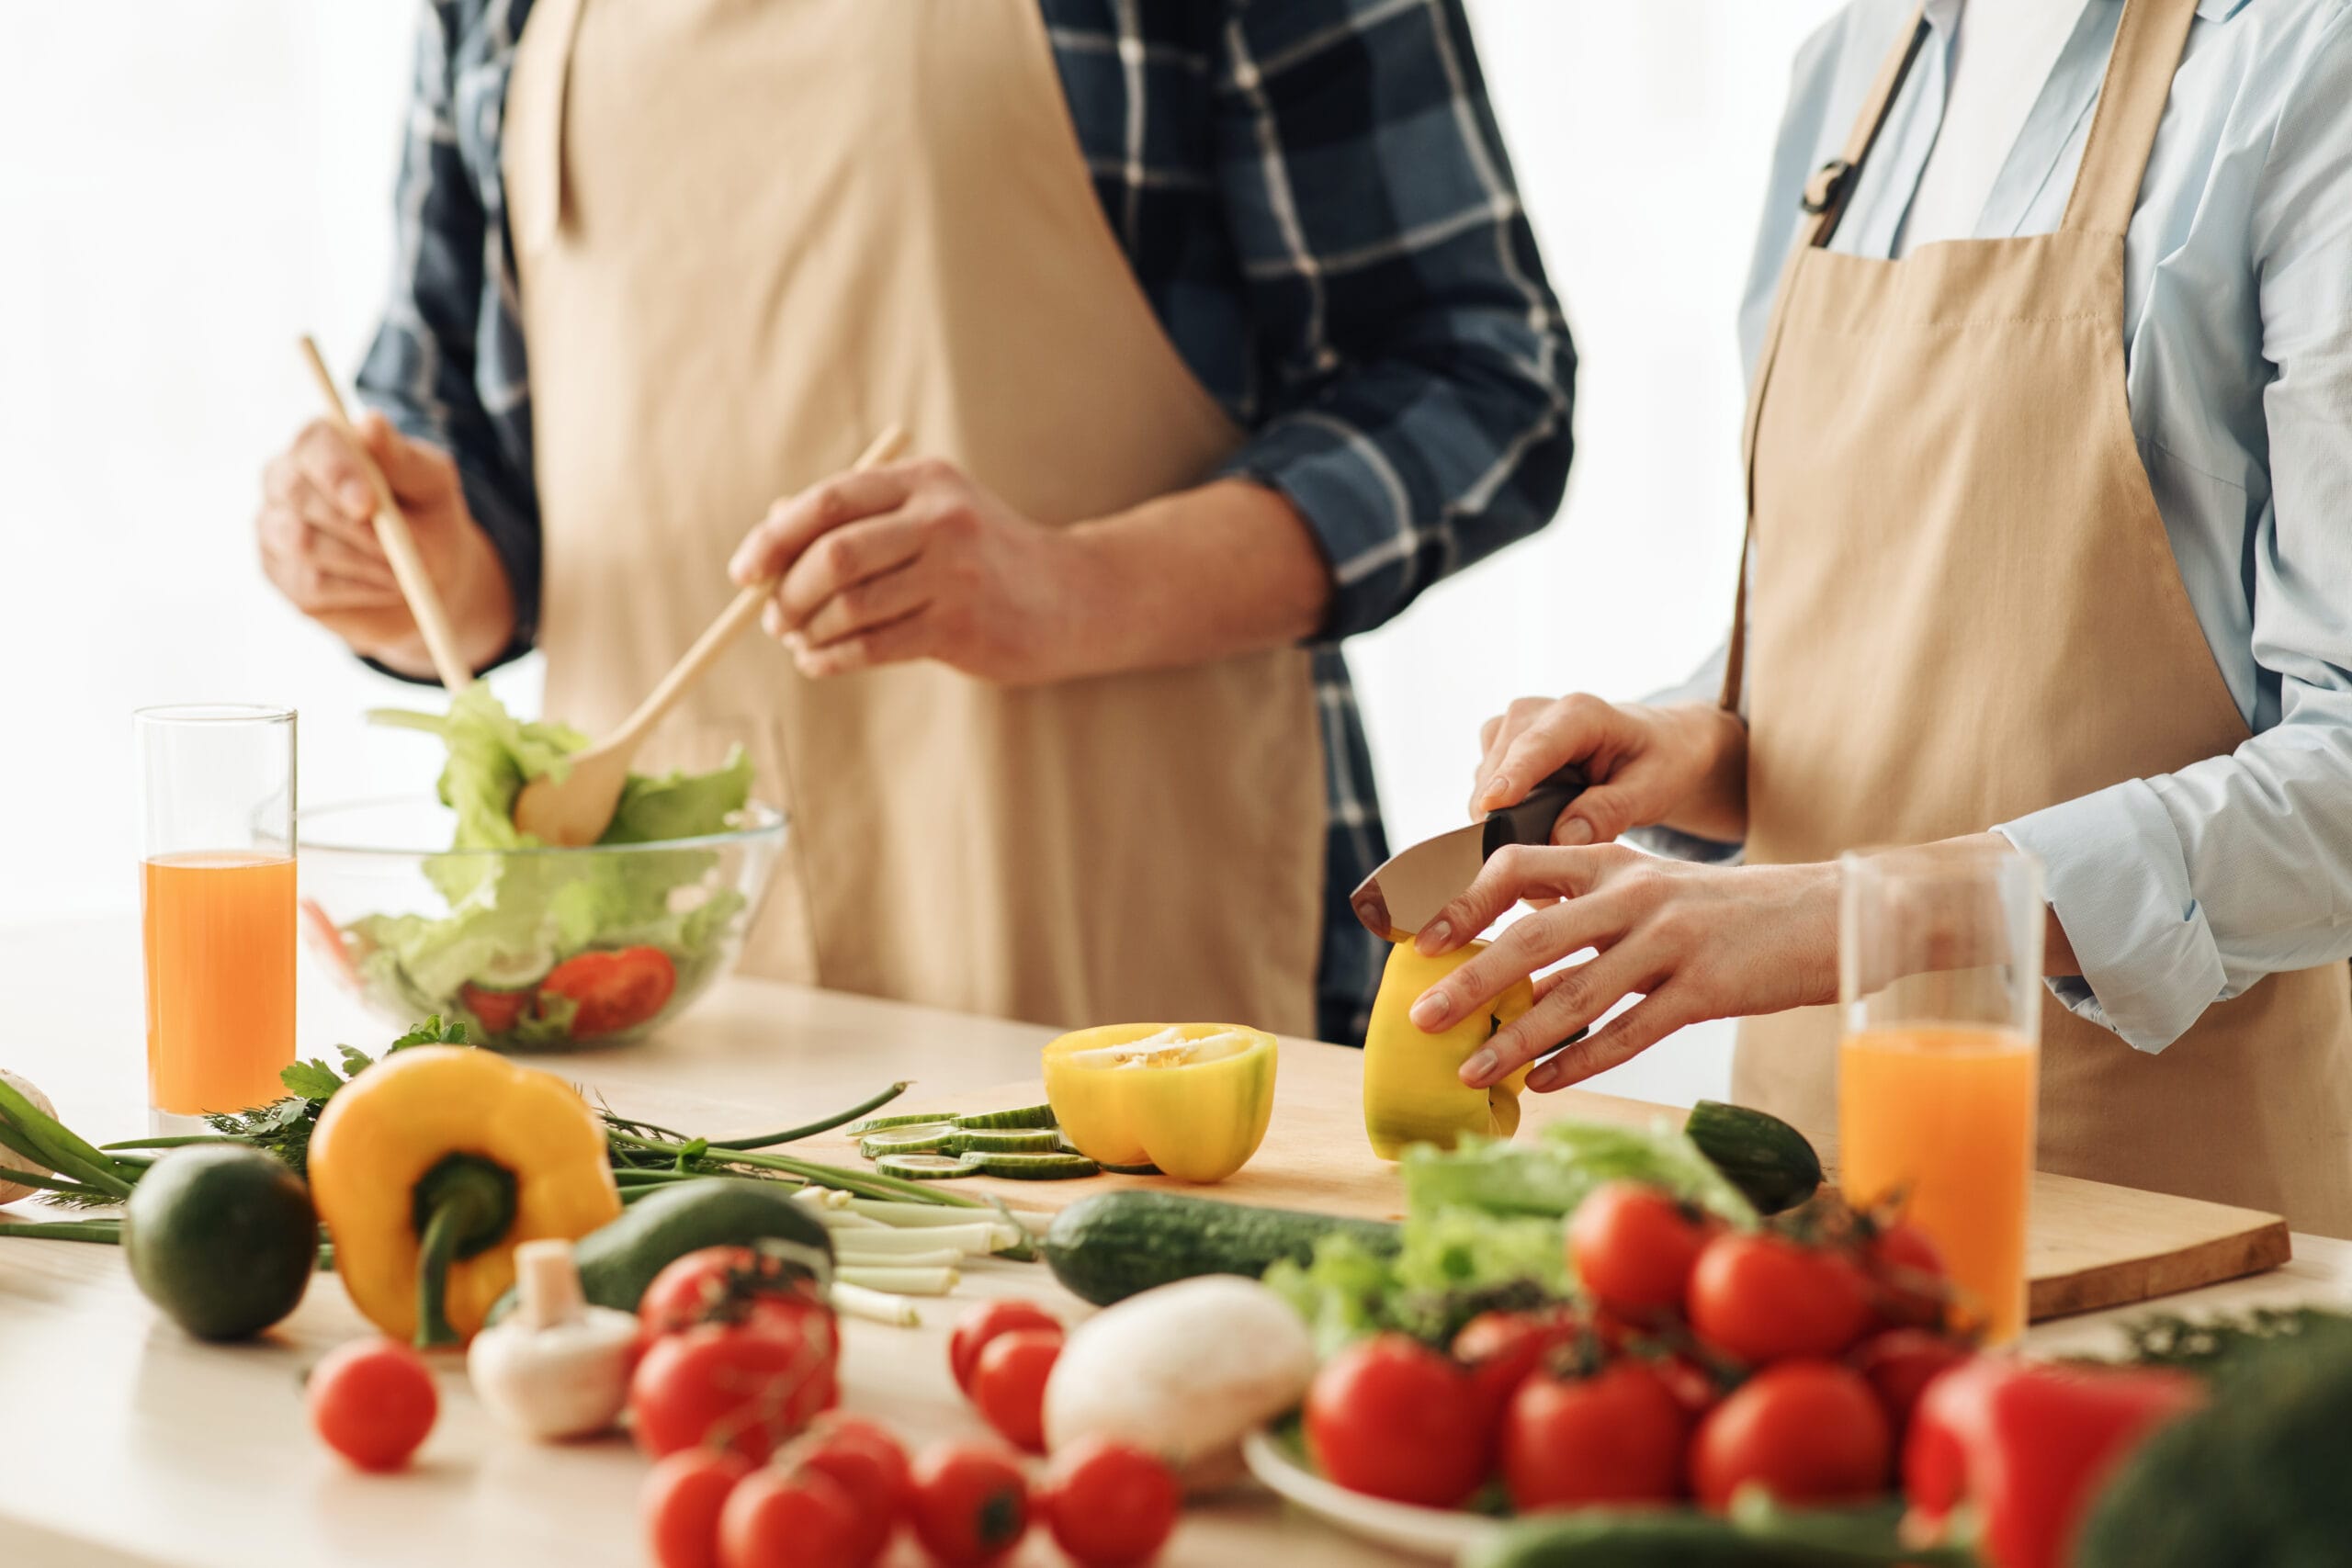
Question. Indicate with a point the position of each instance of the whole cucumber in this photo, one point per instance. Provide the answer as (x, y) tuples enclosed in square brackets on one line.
[(1110, 1245), (619, 1260)]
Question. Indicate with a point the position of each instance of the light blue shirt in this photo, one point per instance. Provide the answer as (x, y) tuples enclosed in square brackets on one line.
[(2185, 889)]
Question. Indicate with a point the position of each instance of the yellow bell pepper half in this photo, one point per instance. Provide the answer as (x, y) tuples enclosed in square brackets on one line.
[(431, 1167), (1412, 1093), (1192, 1099)]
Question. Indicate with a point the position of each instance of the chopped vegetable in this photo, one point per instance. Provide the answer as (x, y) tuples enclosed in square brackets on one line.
[(1192, 1099), (1413, 1092), (559, 1367)]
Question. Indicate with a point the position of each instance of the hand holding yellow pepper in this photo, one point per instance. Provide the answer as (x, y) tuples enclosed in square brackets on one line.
[(1412, 1090), (431, 1167)]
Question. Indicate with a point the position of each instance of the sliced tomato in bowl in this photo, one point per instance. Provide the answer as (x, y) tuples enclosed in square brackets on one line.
[(613, 992), (499, 1010)]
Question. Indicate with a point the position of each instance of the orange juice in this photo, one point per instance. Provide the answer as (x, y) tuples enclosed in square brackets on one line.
[(220, 928), (1942, 1115)]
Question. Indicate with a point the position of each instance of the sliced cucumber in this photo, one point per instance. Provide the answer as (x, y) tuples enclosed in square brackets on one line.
[(1133, 1170), (1026, 1116), (905, 1119), (1008, 1141), (1033, 1167), (922, 1137), (927, 1166)]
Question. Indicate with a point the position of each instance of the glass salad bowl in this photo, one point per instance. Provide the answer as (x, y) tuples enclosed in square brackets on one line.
[(531, 949)]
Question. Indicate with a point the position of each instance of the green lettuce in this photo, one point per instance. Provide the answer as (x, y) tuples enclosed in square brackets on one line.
[(1548, 1175)]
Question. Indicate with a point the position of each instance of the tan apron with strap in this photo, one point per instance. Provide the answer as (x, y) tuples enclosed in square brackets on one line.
[(1964, 608), (750, 234)]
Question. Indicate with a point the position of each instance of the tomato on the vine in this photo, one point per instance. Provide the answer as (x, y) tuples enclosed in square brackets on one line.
[(1009, 1385), (984, 1323), (680, 1504), (781, 1518), (1764, 1298), (1633, 1246), (1391, 1418), (1498, 1349), (744, 1387), (1109, 1505), (969, 1507), (869, 1467), (1806, 1431), (1899, 1364), (1615, 1436), (733, 1284)]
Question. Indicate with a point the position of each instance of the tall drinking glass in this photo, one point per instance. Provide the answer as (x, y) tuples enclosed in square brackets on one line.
[(1939, 961), (216, 901)]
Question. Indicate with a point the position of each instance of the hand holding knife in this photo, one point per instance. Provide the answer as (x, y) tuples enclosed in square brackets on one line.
[(1412, 885)]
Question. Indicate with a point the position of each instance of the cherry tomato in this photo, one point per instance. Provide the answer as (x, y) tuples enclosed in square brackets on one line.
[(1500, 1348), (734, 1284), (680, 1505), (614, 990), (984, 1323), (1109, 1505), (373, 1402), (1899, 1364), (1615, 1436), (1633, 1246), (1909, 1282), (1761, 1298), (1694, 1388), (969, 1505), (1392, 1419), (499, 1010), (788, 1518), (744, 1388), (1806, 1431), (1009, 1385), (869, 1467)]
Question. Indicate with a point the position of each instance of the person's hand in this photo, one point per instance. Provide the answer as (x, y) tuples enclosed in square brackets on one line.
[(1694, 941), (1647, 765), (918, 561), (317, 534)]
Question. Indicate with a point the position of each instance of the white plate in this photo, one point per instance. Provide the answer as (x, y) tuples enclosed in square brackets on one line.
[(1438, 1533)]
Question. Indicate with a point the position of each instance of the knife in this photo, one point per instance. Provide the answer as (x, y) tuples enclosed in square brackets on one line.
[(1408, 890)]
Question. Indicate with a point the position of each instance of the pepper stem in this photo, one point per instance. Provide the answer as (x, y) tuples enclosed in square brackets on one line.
[(464, 1206)]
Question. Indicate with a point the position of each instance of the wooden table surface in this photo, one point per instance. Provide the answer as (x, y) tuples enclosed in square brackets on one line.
[(128, 1444)]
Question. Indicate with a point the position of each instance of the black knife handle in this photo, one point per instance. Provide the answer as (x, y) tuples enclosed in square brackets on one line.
[(1530, 821)]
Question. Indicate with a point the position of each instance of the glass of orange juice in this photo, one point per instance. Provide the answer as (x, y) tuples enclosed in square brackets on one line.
[(217, 904), (1939, 982)]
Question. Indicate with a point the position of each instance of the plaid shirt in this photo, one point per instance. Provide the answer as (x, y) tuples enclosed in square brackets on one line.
[(1314, 196)]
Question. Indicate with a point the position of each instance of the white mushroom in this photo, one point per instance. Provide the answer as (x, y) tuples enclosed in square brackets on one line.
[(9, 1158), (556, 1367)]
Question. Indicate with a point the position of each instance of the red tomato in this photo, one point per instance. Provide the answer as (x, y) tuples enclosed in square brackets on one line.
[(680, 1504), (373, 1402), (1899, 1365), (832, 1426), (1694, 1388), (1616, 1437), (984, 1323), (1392, 1419), (1761, 1298), (747, 1389), (1806, 1431), (614, 990), (1009, 1385), (1632, 1247), (1109, 1505), (1500, 1348), (869, 1467), (499, 1010), (788, 1518), (735, 1284), (1910, 1282), (969, 1505)]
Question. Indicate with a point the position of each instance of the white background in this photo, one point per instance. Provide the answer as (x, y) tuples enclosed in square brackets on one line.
[(185, 187)]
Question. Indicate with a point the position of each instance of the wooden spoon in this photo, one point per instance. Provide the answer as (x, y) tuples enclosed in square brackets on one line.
[(400, 544), (578, 809)]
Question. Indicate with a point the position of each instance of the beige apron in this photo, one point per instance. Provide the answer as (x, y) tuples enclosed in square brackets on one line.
[(1964, 608), (750, 234)]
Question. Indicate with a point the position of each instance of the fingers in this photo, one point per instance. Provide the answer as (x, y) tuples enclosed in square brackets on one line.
[(1514, 873), (912, 637), (791, 526), (293, 536), (418, 471), (285, 486), (324, 457), (291, 561), (861, 606), (1571, 1000), (839, 563), (1628, 1034), (1495, 737), (1533, 943), (1569, 730)]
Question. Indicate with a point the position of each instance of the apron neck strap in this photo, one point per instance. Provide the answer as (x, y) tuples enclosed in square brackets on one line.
[(1832, 186), (2149, 42)]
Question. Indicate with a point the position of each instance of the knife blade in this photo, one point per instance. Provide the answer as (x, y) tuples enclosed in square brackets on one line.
[(1413, 884)]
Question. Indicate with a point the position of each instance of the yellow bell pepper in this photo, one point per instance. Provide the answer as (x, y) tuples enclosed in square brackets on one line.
[(1192, 1099), (1412, 1093), (431, 1167)]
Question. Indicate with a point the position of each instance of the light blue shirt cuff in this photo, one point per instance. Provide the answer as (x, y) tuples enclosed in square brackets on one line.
[(2115, 874)]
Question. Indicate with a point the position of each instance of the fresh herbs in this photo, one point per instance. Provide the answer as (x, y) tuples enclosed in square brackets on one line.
[(284, 1127), (2209, 1347)]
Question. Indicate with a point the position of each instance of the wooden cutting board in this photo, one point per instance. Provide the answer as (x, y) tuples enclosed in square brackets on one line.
[(2092, 1245)]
